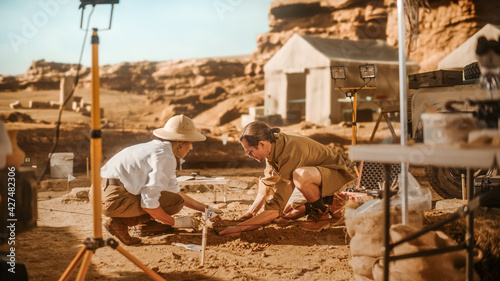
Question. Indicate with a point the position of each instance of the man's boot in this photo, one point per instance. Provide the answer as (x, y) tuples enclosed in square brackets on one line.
[(317, 220), (118, 227), (151, 227)]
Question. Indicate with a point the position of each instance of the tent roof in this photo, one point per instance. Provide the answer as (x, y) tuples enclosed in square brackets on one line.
[(466, 53), (354, 50)]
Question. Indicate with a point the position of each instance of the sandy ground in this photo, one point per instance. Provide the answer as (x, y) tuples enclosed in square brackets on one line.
[(272, 252), (275, 252)]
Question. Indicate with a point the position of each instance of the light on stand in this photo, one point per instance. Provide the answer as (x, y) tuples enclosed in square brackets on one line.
[(338, 72), (367, 71), (97, 2)]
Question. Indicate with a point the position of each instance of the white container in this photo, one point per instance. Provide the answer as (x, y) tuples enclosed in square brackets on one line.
[(5, 145), (246, 118), (447, 128), (61, 164), (256, 111), (489, 133)]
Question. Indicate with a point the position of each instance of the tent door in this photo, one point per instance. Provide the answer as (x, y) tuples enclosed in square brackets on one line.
[(296, 97)]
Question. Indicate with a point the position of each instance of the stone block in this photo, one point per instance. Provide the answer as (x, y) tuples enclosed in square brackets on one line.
[(80, 192), (15, 105)]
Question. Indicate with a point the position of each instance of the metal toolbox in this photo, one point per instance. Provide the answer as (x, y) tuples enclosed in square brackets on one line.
[(436, 78)]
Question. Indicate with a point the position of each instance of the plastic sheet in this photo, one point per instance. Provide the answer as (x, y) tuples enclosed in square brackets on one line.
[(418, 199)]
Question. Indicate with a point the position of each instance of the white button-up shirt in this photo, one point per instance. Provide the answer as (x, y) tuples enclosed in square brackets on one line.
[(146, 169)]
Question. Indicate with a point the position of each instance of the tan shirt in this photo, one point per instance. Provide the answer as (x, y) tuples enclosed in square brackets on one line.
[(291, 151)]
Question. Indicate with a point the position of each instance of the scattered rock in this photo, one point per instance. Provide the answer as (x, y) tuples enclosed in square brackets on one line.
[(80, 192), (449, 205), (19, 117), (15, 105)]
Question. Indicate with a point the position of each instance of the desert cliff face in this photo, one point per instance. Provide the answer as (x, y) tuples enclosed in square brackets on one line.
[(442, 28), (177, 77)]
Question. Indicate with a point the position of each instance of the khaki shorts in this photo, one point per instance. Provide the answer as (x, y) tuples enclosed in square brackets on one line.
[(117, 202), (331, 182)]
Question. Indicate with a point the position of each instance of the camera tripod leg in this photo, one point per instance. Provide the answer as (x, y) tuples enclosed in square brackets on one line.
[(85, 265), (153, 275), (74, 263)]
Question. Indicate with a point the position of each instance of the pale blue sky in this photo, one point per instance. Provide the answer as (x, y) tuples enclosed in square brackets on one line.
[(153, 30)]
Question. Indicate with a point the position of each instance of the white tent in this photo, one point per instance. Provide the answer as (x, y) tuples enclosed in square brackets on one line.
[(298, 81), (465, 53)]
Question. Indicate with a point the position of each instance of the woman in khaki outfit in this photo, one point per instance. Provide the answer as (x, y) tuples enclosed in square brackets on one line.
[(292, 161)]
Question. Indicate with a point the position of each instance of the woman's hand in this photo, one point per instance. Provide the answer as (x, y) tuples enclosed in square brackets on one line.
[(257, 221), (231, 231), (287, 208), (292, 214), (246, 216)]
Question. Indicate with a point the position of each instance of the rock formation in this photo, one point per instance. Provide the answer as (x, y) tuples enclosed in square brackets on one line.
[(171, 77), (442, 28)]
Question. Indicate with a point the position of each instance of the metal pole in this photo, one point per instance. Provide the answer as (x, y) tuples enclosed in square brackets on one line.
[(469, 232), (96, 139), (403, 110), (354, 118), (386, 250)]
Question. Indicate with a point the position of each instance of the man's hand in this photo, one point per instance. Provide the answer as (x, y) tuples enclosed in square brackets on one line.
[(183, 222), (215, 210)]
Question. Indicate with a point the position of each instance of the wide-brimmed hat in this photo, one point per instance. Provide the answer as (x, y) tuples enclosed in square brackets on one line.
[(179, 128)]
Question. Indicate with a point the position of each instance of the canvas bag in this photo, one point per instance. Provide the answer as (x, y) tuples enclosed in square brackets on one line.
[(448, 266)]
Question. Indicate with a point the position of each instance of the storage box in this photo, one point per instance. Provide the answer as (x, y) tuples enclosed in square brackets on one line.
[(437, 78), (362, 115), (61, 164), (256, 110), (447, 128)]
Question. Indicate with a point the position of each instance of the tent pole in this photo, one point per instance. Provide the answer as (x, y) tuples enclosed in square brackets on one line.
[(403, 105)]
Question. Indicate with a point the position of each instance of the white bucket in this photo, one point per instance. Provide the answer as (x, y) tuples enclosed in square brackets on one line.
[(61, 164), (447, 128)]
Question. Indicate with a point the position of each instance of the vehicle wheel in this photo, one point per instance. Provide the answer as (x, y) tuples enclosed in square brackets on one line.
[(447, 182)]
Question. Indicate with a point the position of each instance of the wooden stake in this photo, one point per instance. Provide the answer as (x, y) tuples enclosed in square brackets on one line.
[(203, 245), (88, 175)]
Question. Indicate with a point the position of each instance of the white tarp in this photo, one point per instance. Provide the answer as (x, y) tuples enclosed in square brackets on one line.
[(466, 53), (312, 57)]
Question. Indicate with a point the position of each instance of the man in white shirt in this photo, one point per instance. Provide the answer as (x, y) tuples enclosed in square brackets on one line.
[(139, 183)]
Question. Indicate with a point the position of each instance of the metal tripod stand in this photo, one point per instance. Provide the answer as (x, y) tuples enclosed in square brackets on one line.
[(92, 244)]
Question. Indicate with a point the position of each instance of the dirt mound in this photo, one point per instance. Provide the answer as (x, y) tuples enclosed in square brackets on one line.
[(18, 117)]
